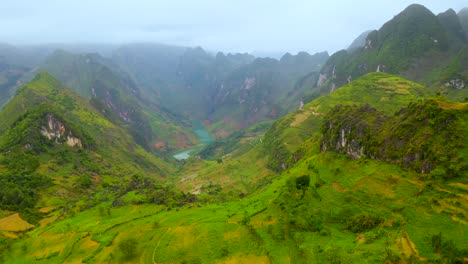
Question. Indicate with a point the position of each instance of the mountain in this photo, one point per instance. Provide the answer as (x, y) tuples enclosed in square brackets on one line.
[(114, 92), (359, 42), (264, 89), (58, 150), (382, 91), (198, 85), (10, 78), (410, 44), (463, 16), (368, 167), (355, 193)]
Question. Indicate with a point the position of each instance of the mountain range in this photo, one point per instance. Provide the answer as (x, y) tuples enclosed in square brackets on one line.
[(357, 157)]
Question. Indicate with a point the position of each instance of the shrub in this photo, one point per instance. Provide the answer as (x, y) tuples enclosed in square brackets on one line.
[(128, 247), (362, 222)]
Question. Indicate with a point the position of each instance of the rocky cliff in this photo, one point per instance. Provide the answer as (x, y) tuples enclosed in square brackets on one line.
[(425, 136)]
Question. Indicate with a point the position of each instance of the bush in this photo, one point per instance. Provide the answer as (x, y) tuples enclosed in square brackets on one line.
[(362, 222), (128, 247)]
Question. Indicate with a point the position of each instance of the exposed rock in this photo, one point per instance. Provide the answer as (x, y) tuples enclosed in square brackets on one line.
[(301, 105), (368, 44), (56, 131), (456, 83), (73, 141), (322, 79), (249, 83)]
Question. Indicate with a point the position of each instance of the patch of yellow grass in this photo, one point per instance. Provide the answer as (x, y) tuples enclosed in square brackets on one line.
[(246, 259), (10, 235), (233, 235), (452, 105), (47, 209), (303, 115), (14, 223), (48, 220), (407, 247), (338, 187), (376, 186), (459, 185)]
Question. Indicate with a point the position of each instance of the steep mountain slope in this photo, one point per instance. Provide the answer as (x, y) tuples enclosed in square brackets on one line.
[(230, 91), (324, 208), (10, 76), (382, 91), (463, 15), (52, 137), (93, 76), (416, 44), (359, 42), (265, 89)]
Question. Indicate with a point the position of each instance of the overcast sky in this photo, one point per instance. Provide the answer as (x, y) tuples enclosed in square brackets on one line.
[(226, 25)]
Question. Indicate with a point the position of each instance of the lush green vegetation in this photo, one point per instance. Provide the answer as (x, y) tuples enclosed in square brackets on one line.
[(427, 136), (415, 44), (322, 206), (384, 92), (373, 172)]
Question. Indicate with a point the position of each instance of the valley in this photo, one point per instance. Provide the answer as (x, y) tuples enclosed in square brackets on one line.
[(155, 153), (203, 136)]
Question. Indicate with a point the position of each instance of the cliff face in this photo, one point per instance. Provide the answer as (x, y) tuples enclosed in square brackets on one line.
[(423, 137), (55, 130)]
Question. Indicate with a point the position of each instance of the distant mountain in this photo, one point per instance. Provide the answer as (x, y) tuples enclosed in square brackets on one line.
[(229, 91), (409, 44), (114, 92), (265, 89), (463, 16), (359, 42), (10, 79)]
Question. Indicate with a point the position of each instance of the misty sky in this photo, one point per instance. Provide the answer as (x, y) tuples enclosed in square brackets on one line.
[(226, 25)]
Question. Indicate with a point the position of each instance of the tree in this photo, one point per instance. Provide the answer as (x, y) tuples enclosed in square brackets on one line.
[(302, 183)]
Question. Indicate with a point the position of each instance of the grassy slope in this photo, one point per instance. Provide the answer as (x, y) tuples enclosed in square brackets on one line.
[(276, 225)]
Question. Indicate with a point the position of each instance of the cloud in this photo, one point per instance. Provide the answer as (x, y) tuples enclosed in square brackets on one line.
[(227, 25)]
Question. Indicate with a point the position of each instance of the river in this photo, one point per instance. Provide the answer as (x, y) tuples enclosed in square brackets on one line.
[(203, 136)]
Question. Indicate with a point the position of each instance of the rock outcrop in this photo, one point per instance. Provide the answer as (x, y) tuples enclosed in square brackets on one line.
[(56, 130)]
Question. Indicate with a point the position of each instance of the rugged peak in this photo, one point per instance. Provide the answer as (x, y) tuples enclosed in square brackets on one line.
[(286, 57), (449, 11), (451, 23), (42, 84), (463, 11), (360, 41), (416, 9)]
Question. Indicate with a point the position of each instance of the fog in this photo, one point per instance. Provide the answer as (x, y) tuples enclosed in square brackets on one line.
[(227, 25)]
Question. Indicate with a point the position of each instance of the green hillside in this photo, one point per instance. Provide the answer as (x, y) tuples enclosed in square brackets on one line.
[(415, 44), (326, 207), (382, 91), (57, 150), (358, 157)]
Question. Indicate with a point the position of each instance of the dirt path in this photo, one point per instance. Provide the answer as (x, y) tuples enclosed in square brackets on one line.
[(157, 244)]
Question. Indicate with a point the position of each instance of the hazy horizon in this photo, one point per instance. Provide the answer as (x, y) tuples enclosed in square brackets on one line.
[(257, 27)]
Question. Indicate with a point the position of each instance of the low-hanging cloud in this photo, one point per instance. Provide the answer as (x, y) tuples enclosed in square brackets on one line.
[(241, 25)]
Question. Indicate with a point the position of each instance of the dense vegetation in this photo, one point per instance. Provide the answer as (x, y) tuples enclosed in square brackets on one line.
[(426, 136)]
